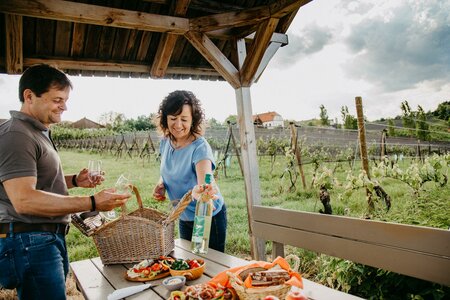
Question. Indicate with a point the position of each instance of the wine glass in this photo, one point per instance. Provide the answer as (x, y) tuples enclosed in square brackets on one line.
[(122, 186), (94, 171)]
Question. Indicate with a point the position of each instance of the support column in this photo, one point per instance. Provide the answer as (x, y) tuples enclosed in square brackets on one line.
[(250, 165)]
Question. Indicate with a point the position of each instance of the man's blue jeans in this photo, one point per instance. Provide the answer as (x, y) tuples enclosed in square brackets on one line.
[(218, 230), (35, 263)]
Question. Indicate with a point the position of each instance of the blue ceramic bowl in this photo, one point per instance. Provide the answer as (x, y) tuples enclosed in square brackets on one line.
[(174, 283)]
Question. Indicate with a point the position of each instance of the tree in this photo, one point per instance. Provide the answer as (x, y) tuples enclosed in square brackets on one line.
[(421, 124), (324, 116), (112, 120), (213, 123), (232, 119), (408, 116), (391, 128), (443, 111), (349, 121)]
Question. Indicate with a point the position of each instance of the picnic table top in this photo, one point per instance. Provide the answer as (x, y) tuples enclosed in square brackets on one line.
[(97, 281)]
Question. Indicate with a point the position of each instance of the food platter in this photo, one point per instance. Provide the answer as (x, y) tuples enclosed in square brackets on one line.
[(149, 269), (144, 279)]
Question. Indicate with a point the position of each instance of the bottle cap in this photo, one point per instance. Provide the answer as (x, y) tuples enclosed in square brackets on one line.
[(208, 178)]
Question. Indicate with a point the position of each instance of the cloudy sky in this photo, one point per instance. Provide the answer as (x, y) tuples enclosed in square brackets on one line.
[(386, 51)]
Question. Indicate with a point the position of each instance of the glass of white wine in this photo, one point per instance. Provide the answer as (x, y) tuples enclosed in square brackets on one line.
[(94, 170), (122, 186)]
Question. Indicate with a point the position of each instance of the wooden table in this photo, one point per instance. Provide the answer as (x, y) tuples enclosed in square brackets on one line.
[(97, 281)]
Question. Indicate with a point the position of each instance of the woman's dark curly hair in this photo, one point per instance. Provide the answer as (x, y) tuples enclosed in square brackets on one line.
[(173, 105)]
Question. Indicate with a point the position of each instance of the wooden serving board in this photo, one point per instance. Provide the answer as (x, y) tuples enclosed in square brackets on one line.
[(143, 279)]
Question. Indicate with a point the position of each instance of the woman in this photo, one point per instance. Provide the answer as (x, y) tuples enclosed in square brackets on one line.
[(186, 157)]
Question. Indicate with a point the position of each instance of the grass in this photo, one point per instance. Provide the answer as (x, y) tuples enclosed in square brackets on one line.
[(431, 208)]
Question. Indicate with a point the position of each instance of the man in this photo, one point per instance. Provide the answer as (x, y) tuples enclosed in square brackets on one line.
[(34, 204)]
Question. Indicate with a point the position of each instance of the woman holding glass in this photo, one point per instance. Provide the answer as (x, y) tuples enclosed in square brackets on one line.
[(186, 157)]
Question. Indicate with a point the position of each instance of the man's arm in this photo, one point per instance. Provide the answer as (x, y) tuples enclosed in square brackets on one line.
[(27, 200)]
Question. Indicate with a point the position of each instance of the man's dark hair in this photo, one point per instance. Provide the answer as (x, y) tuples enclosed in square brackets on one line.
[(40, 78)]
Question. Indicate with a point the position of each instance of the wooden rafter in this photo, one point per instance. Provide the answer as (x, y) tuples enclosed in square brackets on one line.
[(14, 46), (96, 65), (167, 42), (257, 50), (283, 7), (94, 14), (215, 57), (245, 17), (230, 19)]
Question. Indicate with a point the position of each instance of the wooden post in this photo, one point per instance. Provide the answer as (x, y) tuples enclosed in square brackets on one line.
[(383, 145), (249, 156), (236, 150), (418, 152), (363, 145), (298, 155)]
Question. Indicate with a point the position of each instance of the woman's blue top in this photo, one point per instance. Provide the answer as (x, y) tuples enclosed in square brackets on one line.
[(178, 172)]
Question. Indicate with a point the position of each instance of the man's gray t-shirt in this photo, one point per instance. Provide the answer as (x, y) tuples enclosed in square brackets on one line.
[(26, 151)]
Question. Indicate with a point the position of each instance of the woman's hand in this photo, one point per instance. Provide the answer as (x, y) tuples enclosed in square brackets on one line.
[(159, 192), (82, 179), (205, 192)]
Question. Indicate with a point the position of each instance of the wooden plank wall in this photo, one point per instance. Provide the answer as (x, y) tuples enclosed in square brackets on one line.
[(415, 251)]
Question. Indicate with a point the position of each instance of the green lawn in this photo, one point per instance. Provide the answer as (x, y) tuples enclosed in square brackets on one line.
[(431, 208)]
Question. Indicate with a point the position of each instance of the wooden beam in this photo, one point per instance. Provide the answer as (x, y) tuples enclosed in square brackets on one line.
[(163, 54), (257, 50), (249, 156), (245, 17), (250, 166), (215, 57), (96, 65), (167, 42), (14, 44), (94, 14), (214, 6), (230, 19), (270, 52), (210, 6), (283, 7)]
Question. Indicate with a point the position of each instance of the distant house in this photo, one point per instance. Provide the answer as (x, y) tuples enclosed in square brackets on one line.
[(86, 123), (268, 120)]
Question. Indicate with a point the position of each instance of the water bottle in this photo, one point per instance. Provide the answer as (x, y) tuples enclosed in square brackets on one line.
[(205, 196)]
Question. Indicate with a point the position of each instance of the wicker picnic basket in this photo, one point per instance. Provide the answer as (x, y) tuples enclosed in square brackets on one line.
[(259, 293), (141, 234)]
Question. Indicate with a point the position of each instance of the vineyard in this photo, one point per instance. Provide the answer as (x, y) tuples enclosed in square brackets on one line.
[(316, 143), (306, 169)]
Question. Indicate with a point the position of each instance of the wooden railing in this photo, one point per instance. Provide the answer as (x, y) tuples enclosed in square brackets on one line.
[(420, 252)]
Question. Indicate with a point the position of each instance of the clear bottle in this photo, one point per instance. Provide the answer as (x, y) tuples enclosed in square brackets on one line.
[(203, 215)]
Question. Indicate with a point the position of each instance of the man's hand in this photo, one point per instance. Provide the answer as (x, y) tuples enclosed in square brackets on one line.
[(82, 179), (107, 199)]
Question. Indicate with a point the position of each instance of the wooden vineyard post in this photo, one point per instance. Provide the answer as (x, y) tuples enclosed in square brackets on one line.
[(236, 150), (383, 144), (418, 151), (363, 146), (298, 155)]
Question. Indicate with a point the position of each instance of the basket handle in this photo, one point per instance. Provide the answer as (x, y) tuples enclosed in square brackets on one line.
[(138, 198), (296, 261), (177, 210)]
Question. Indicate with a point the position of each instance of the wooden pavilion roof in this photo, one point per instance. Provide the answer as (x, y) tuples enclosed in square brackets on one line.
[(177, 39)]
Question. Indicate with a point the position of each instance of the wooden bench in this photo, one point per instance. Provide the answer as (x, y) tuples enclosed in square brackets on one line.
[(415, 251), (97, 281)]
